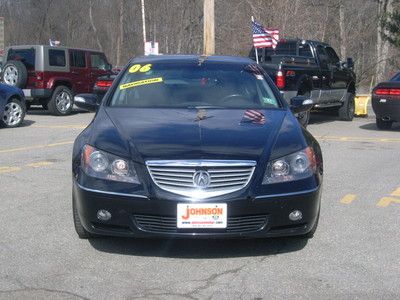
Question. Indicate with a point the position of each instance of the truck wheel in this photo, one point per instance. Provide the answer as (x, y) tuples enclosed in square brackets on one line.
[(346, 111), (15, 74), (304, 117), (381, 124), (61, 102), (14, 113), (80, 230)]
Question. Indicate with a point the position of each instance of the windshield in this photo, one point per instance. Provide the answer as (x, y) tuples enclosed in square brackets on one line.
[(177, 85), (396, 77)]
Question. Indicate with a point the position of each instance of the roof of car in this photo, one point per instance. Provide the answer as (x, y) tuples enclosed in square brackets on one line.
[(52, 47), (192, 58)]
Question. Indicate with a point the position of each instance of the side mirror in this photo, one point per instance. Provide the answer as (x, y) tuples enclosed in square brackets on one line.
[(350, 63), (88, 102), (300, 104)]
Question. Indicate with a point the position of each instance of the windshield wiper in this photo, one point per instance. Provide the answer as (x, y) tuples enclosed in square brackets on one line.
[(204, 106)]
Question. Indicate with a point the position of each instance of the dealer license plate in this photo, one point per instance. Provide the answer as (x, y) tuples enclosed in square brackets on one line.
[(202, 215)]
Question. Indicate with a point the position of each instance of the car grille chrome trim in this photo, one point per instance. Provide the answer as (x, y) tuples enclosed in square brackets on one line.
[(178, 176), (164, 224)]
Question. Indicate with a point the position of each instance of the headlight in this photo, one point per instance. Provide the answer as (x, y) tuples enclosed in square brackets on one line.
[(292, 167), (100, 164)]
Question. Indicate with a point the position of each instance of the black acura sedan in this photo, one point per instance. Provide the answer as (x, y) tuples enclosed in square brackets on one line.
[(195, 146)]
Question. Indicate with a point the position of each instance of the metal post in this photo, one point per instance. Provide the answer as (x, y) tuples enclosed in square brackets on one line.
[(209, 31), (255, 49), (144, 28)]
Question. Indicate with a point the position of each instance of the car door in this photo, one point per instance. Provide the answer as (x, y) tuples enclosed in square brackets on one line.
[(99, 66), (338, 78), (79, 71), (324, 74)]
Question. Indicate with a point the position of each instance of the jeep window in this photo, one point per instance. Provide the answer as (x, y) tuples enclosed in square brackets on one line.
[(57, 58), (26, 56), (189, 85), (77, 58), (97, 61)]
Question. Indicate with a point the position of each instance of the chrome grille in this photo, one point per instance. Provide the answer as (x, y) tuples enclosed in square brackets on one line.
[(179, 177), (164, 224)]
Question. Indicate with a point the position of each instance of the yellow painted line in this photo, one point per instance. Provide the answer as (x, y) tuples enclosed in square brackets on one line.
[(9, 169), (77, 126), (396, 192), (348, 198), (357, 139), (385, 201), (36, 147), (39, 164)]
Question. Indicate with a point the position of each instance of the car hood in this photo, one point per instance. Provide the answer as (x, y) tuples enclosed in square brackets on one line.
[(157, 134)]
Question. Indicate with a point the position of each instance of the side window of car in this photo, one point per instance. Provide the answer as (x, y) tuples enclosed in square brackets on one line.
[(77, 59), (323, 57), (97, 61), (57, 58), (332, 56), (305, 50)]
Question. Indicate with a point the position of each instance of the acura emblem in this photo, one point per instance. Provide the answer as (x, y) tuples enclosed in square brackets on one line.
[(201, 179)]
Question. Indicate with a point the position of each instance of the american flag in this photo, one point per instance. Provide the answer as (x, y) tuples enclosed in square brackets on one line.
[(263, 37), (253, 116)]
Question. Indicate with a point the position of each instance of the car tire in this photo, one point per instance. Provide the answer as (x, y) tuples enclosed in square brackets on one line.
[(13, 114), (346, 111), (382, 125), (61, 102), (15, 74), (80, 230), (304, 117)]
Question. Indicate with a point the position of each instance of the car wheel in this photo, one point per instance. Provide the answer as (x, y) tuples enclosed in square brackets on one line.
[(346, 111), (304, 117), (80, 230), (14, 114), (61, 102), (381, 124), (15, 74)]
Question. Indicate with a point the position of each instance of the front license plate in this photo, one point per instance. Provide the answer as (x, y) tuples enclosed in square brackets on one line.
[(201, 215)]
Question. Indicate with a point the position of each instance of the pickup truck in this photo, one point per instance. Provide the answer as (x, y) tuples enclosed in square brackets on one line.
[(311, 68)]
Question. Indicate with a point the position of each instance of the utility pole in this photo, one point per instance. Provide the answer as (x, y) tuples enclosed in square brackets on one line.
[(144, 28), (209, 31)]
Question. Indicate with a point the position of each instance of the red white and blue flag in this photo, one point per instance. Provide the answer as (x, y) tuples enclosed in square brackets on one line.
[(263, 37)]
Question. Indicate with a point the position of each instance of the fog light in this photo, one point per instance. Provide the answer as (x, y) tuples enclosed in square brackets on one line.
[(295, 215), (103, 215)]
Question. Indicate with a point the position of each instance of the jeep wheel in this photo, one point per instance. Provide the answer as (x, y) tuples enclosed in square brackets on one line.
[(346, 111), (15, 74), (61, 102), (382, 125), (14, 113), (304, 117)]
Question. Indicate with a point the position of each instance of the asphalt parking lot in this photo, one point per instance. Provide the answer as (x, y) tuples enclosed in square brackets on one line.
[(354, 254)]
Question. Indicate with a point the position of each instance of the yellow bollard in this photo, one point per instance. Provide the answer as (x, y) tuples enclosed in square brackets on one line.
[(361, 102)]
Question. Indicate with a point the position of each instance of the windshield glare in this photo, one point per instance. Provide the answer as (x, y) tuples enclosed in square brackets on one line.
[(192, 85)]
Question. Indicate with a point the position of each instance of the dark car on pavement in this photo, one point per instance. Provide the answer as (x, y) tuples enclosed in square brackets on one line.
[(12, 106), (51, 76), (312, 69), (386, 102), (195, 146)]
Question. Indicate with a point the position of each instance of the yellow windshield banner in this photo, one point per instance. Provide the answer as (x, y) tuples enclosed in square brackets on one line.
[(140, 82)]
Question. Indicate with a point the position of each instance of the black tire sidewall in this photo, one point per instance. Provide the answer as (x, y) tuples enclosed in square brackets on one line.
[(52, 105), (22, 73), (346, 112)]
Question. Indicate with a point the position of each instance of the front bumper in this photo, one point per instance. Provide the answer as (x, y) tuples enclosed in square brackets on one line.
[(386, 107), (139, 216)]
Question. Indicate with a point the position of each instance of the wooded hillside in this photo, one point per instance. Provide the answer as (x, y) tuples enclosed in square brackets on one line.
[(353, 27)]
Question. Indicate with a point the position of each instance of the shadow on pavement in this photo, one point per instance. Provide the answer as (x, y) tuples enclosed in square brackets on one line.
[(372, 127), (39, 111), (198, 249), (27, 123), (323, 117)]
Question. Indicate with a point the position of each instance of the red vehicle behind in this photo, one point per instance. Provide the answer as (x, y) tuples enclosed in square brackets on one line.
[(51, 76)]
